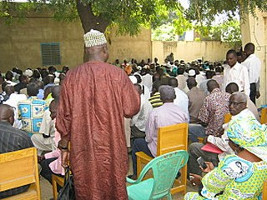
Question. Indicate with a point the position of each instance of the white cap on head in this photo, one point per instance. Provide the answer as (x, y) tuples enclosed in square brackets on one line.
[(191, 72), (133, 79), (94, 38), (146, 67), (28, 72)]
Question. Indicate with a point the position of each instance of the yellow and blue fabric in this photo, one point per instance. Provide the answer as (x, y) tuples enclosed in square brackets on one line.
[(49, 99), (236, 178), (31, 113), (247, 132)]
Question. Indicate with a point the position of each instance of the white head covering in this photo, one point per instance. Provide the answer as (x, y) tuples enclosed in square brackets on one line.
[(94, 38), (28, 72), (191, 72), (133, 79)]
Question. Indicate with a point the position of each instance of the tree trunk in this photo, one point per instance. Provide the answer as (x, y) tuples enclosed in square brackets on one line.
[(90, 21)]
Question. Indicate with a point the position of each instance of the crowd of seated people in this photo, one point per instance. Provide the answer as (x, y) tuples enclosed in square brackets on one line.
[(28, 102), (171, 93)]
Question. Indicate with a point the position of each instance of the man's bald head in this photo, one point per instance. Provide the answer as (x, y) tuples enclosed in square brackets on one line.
[(191, 82), (167, 93), (212, 84), (56, 92), (173, 82), (231, 88), (6, 113), (99, 52), (9, 89)]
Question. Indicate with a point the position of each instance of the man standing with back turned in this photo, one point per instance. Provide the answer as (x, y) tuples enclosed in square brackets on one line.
[(95, 98), (253, 65)]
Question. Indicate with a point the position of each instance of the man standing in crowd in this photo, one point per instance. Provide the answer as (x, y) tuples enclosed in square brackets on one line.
[(235, 72), (95, 98), (181, 99), (138, 121), (11, 139), (253, 65)]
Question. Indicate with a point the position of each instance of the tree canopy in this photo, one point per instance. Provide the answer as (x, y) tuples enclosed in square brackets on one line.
[(130, 15), (206, 10)]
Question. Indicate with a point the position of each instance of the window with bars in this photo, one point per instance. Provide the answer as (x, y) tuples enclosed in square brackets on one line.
[(50, 54)]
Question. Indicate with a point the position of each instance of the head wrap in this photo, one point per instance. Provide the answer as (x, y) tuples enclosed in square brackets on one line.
[(248, 133), (94, 38)]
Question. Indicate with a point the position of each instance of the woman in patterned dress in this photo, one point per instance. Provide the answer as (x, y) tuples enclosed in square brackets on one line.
[(239, 176)]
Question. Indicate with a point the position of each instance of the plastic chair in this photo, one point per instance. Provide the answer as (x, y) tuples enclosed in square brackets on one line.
[(170, 138), (165, 169), (20, 168)]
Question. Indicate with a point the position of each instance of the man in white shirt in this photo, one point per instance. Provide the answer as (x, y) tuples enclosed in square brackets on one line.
[(181, 99), (253, 64), (138, 121), (235, 72), (181, 78), (13, 100), (147, 78)]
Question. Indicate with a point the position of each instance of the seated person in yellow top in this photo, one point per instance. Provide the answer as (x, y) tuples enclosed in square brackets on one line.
[(31, 111)]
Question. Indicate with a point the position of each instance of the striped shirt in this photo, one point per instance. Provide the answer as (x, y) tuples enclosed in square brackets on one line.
[(155, 100)]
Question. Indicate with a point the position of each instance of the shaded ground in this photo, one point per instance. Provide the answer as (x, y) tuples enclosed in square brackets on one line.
[(46, 187)]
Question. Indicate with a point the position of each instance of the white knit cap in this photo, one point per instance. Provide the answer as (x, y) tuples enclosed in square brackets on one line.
[(28, 72), (94, 38), (191, 72)]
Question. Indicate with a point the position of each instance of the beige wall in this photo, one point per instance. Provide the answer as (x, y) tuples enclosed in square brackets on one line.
[(127, 47), (189, 51), (20, 43), (254, 29)]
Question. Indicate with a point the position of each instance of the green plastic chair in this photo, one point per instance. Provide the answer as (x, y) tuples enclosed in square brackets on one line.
[(165, 169)]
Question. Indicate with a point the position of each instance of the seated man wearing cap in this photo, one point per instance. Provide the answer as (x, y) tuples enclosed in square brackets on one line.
[(165, 115)]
